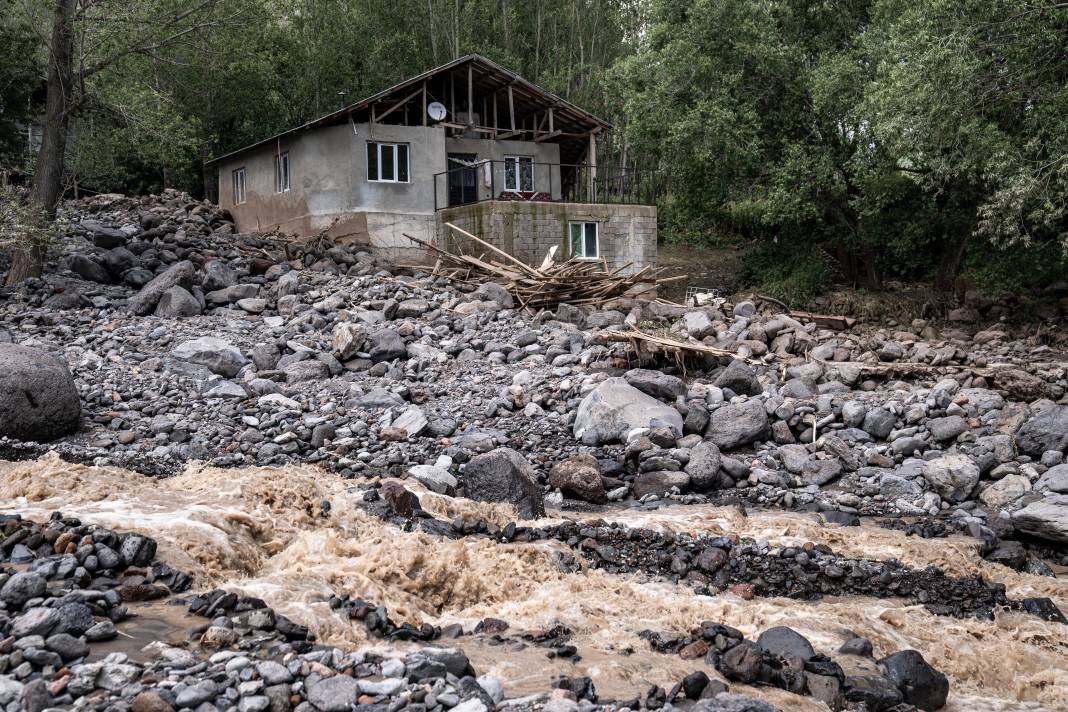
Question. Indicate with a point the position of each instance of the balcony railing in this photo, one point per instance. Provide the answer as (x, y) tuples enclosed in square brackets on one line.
[(544, 182)]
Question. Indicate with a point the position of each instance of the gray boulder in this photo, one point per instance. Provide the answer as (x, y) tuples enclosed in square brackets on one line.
[(38, 400), (216, 355), (579, 477), (1046, 518), (879, 422), (334, 694), (920, 684), (731, 426), (22, 587), (656, 384), (217, 275), (386, 345), (177, 302), (493, 292), (948, 428), (1055, 479), (1046, 430), (180, 274), (614, 408), (504, 475), (88, 269), (953, 477), (703, 467), (740, 378), (660, 483)]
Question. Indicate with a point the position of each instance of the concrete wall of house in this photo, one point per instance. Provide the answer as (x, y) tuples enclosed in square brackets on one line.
[(626, 233), (329, 191), (546, 177)]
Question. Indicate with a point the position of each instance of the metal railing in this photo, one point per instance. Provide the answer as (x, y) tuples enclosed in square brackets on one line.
[(544, 182)]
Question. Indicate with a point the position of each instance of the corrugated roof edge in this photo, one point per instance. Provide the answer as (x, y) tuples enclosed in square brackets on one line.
[(407, 82)]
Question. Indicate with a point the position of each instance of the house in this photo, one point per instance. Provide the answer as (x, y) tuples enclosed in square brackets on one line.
[(469, 143)]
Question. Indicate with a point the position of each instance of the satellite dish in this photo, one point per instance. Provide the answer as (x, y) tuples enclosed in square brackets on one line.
[(436, 111)]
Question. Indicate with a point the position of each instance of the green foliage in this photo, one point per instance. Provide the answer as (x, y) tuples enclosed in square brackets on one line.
[(790, 272), (20, 74), (23, 225)]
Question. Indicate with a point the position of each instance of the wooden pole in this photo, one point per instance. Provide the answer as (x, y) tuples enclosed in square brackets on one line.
[(550, 119), (511, 107), (424, 102), (591, 158), (470, 95), (495, 115)]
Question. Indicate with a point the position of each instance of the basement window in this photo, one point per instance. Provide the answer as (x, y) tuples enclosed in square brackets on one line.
[(387, 162), (584, 240), (519, 174), (239, 186), (281, 173)]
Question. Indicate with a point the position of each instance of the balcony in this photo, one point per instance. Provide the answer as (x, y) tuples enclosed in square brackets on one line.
[(529, 181)]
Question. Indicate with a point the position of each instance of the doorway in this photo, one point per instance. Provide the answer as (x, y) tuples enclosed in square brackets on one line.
[(463, 178)]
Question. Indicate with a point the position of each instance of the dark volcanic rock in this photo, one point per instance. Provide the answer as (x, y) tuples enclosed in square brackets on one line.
[(920, 684), (504, 475), (38, 400), (1047, 430)]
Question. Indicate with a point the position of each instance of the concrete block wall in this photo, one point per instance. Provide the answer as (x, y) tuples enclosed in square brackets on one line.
[(626, 233)]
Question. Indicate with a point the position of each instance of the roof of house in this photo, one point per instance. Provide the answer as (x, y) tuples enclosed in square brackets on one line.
[(487, 77)]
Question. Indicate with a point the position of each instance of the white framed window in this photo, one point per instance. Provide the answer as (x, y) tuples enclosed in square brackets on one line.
[(519, 173), (584, 240), (281, 173), (239, 186), (387, 162)]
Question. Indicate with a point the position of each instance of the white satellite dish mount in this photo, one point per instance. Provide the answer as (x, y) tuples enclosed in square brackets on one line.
[(436, 111)]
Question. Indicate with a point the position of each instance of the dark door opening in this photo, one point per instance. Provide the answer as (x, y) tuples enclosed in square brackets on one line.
[(463, 179)]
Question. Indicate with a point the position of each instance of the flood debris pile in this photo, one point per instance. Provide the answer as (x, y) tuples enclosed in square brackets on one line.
[(160, 337), (781, 657)]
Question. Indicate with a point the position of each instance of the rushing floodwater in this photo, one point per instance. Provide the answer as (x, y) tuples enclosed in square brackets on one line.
[(261, 531)]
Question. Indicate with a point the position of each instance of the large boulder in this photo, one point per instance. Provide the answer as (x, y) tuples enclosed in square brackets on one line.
[(180, 274), (953, 477), (740, 378), (1055, 479), (660, 482), (656, 384), (736, 424), (1045, 518), (88, 269), (218, 275), (177, 302), (579, 477), (504, 475), (614, 408), (217, 355), (38, 400), (703, 467), (920, 684), (1046, 430), (348, 339)]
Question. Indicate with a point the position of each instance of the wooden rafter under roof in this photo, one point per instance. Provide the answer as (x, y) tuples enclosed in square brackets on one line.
[(537, 113)]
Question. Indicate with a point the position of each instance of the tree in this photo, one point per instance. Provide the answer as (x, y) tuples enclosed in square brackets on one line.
[(102, 44)]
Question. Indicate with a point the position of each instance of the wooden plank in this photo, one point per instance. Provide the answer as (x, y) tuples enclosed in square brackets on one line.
[(500, 252), (511, 107), (547, 136), (399, 104), (470, 96)]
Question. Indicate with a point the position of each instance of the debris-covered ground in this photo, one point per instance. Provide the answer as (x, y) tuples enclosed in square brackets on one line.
[(915, 468)]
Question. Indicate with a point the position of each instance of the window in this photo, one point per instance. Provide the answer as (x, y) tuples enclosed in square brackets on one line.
[(239, 186), (281, 173), (584, 240), (387, 162), (519, 173)]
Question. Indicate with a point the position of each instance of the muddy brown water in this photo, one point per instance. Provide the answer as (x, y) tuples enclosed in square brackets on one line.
[(261, 531)]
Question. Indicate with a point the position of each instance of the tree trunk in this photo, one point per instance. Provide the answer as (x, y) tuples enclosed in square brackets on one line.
[(48, 177), (951, 261), (27, 261)]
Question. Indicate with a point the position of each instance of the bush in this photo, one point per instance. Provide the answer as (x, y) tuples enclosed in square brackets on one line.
[(23, 226), (791, 273)]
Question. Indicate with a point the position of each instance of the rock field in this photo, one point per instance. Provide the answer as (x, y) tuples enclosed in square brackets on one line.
[(158, 337)]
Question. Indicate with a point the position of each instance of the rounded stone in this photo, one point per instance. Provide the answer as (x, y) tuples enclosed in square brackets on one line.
[(38, 399)]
